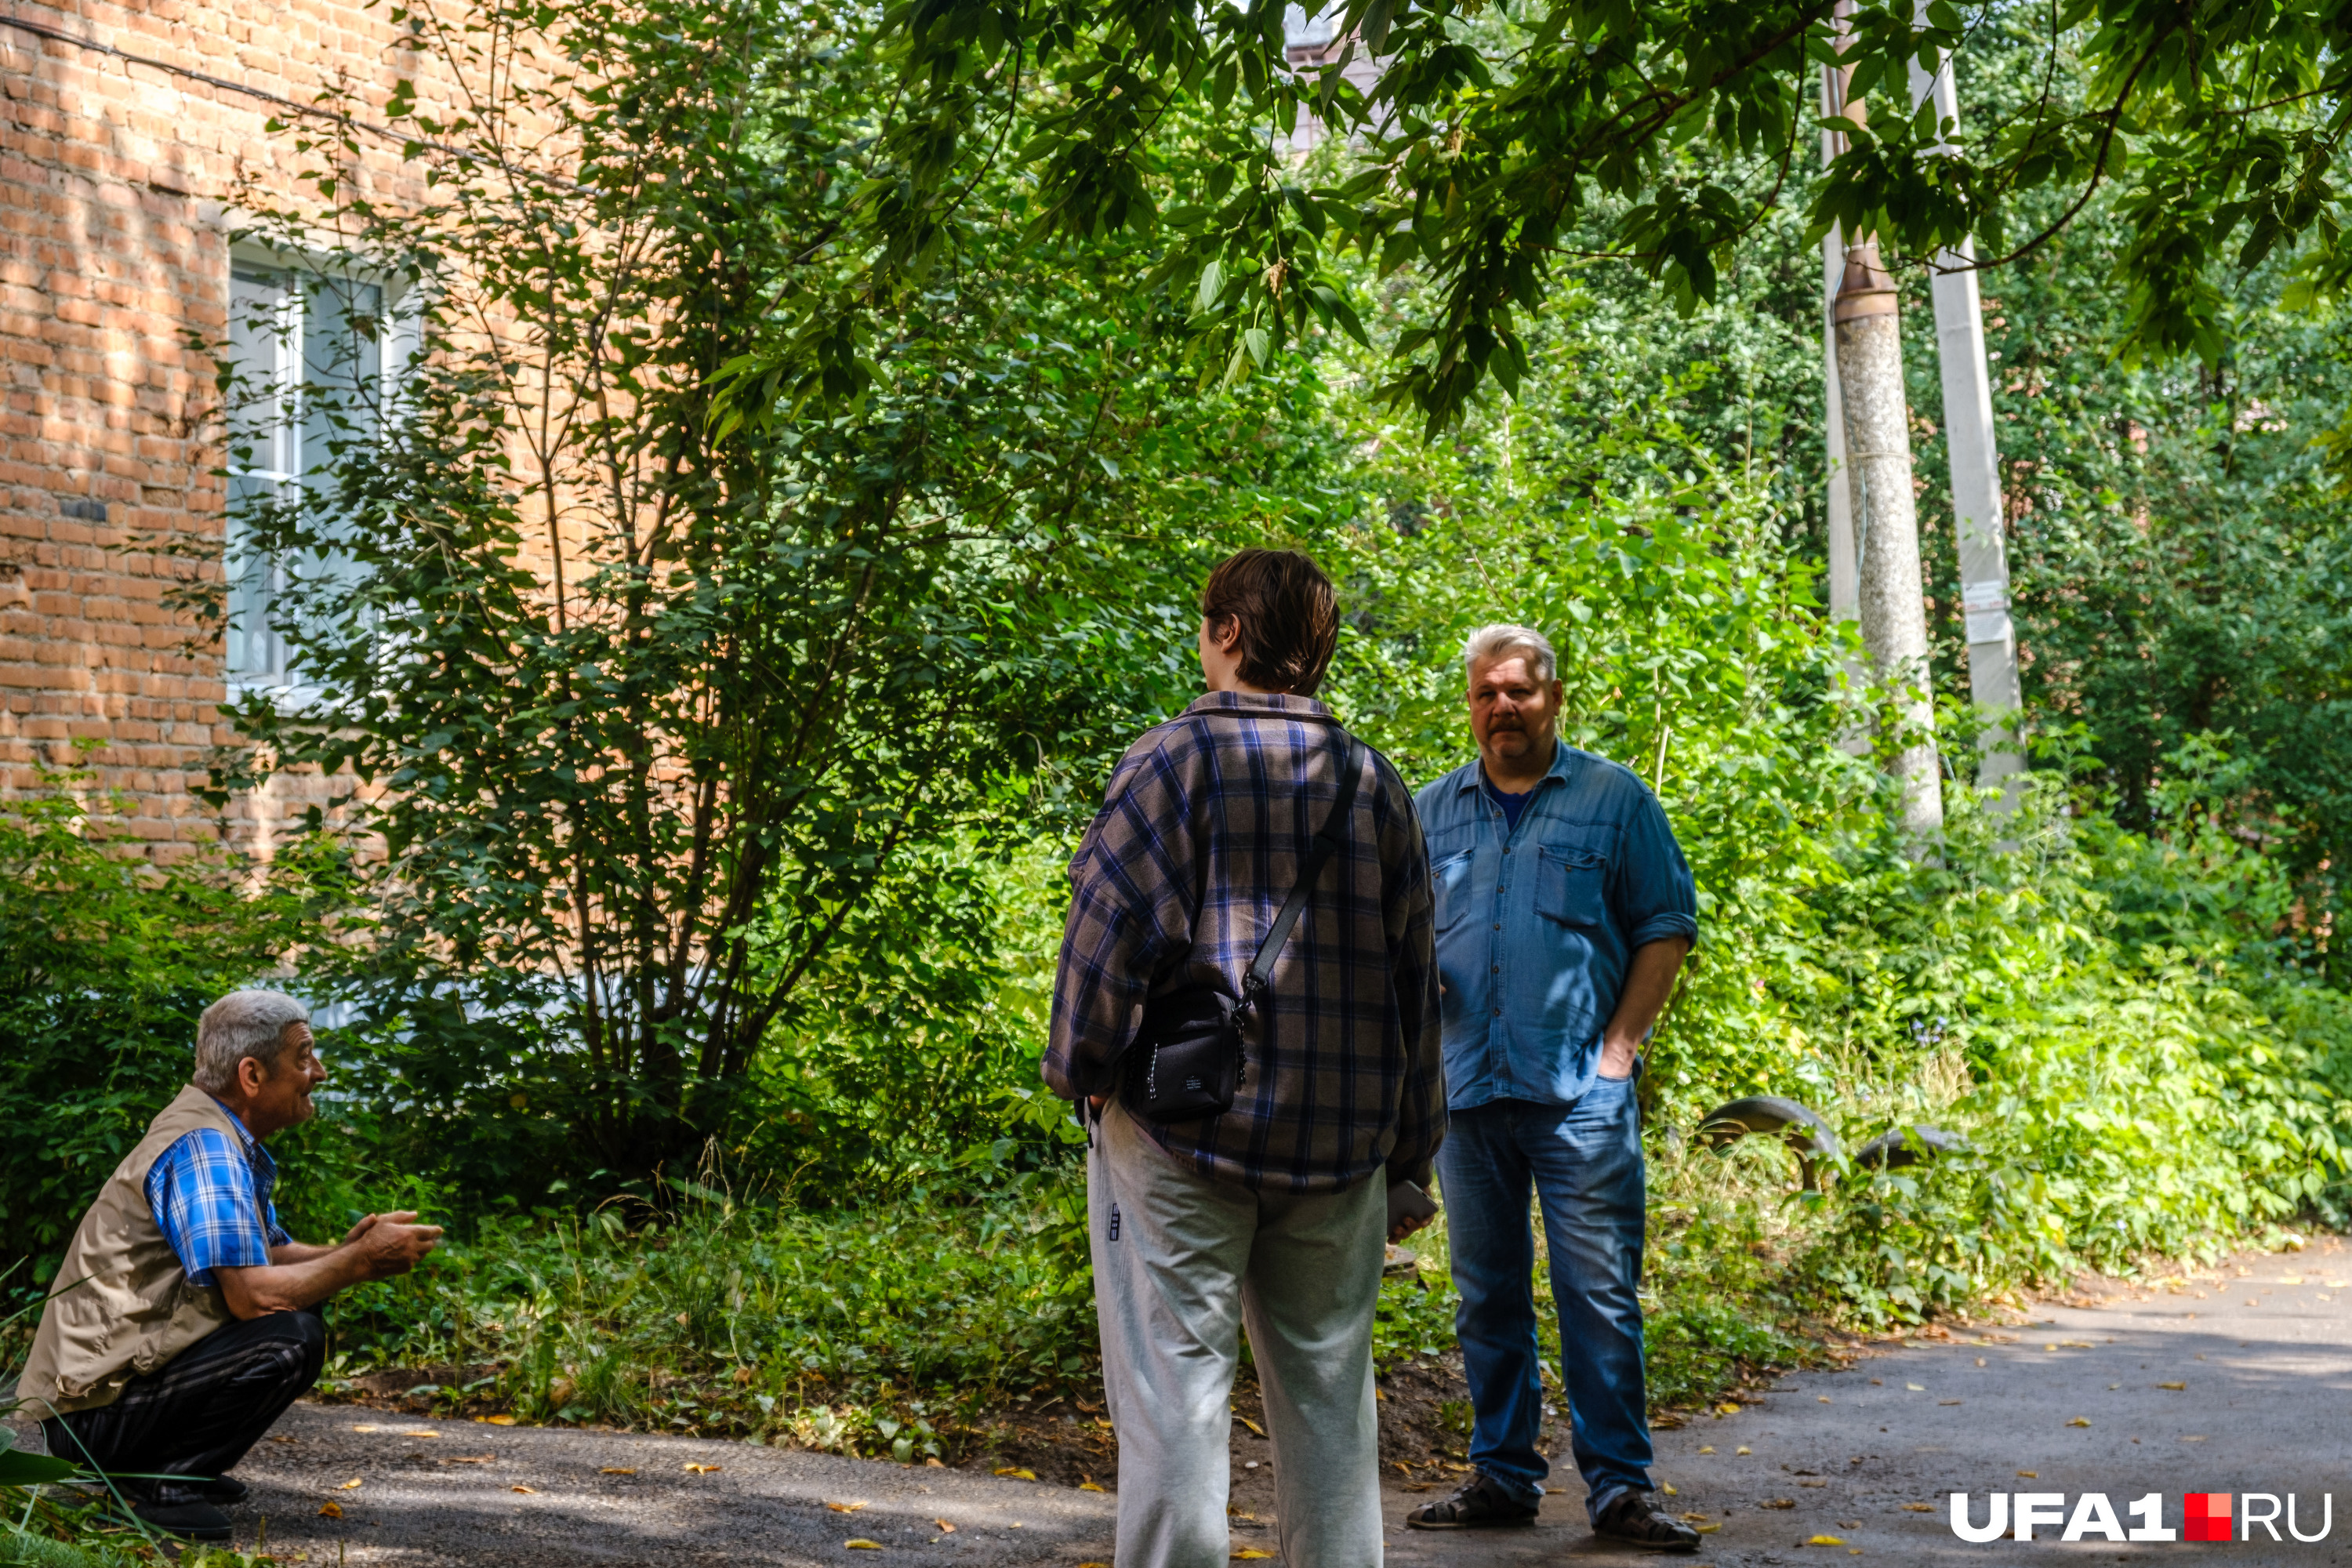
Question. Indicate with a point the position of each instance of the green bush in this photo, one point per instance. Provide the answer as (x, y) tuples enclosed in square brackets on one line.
[(107, 958), (749, 1319)]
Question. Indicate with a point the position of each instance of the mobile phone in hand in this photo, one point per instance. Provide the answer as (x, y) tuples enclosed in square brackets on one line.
[(1407, 1202)]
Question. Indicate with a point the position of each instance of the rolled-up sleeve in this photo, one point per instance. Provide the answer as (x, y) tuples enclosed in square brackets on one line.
[(1653, 897)]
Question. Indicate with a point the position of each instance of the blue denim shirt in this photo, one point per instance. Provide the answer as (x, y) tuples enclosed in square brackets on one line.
[(1537, 925)]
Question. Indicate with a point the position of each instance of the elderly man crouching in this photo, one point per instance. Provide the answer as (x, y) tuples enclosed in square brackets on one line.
[(185, 1322)]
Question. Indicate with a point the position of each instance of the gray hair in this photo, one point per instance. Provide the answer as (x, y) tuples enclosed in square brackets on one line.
[(240, 1024), (1492, 642)]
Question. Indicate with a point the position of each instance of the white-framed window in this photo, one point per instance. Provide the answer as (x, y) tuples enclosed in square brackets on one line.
[(303, 341)]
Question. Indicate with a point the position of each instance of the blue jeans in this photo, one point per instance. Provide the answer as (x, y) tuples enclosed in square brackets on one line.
[(1585, 1162)]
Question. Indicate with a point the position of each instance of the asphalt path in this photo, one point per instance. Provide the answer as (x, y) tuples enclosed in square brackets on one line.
[(466, 1492), (1830, 1466)]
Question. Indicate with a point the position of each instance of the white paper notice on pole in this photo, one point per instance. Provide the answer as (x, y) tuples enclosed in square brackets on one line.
[(1986, 607)]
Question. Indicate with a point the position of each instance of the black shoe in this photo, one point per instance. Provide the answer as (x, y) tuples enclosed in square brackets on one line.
[(1479, 1504), (190, 1520), (221, 1491), (1635, 1516)]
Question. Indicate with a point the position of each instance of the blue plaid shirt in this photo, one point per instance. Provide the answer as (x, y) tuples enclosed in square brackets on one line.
[(1197, 843), (211, 1197)]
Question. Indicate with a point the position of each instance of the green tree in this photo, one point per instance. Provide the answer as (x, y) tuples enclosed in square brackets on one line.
[(653, 667), (1497, 136)]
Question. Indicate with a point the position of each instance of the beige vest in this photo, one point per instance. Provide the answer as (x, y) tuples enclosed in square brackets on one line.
[(123, 1306)]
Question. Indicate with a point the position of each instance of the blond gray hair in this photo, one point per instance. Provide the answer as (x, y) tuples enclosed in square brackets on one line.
[(1492, 642), (240, 1024)]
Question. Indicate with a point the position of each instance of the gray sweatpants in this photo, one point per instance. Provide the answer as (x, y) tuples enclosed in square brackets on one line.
[(1180, 1263)]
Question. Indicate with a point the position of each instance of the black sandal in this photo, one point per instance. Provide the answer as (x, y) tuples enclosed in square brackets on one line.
[(1635, 1518), (1478, 1503)]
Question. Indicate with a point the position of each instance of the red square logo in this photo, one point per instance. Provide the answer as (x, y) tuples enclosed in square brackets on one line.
[(2207, 1516)]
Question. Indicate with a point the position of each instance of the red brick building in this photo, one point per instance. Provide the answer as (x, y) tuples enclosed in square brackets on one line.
[(125, 127)]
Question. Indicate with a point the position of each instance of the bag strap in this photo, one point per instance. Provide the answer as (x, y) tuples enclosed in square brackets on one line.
[(1327, 842)]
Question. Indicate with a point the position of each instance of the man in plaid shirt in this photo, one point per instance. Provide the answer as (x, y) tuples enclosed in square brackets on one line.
[(183, 1319), (1273, 1212)]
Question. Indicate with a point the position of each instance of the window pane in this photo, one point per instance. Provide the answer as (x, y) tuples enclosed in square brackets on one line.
[(259, 353), (342, 366), (255, 652), (310, 360)]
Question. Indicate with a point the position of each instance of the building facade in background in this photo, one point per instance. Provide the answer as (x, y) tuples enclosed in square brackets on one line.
[(126, 131)]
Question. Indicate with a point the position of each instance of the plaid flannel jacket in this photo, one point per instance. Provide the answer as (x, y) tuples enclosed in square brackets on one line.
[(1200, 840), (212, 1201)]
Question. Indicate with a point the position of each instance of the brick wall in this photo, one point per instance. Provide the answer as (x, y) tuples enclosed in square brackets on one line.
[(113, 247)]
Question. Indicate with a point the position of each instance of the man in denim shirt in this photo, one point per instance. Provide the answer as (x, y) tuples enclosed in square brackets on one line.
[(1564, 909)]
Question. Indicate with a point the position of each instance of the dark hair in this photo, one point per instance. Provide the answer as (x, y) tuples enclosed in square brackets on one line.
[(1288, 613)]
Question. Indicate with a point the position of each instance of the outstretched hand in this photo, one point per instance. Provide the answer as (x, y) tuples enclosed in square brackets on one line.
[(390, 1244)]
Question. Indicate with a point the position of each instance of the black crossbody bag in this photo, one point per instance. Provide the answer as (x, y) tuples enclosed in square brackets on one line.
[(1188, 1060)]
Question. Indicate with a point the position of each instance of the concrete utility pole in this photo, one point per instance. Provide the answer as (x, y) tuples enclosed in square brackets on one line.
[(1866, 328), (1976, 512)]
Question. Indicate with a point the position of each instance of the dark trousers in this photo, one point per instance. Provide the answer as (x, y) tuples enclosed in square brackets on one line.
[(198, 1414), (1584, 1163)]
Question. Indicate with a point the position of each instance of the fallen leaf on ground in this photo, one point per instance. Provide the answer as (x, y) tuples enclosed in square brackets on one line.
[(1980, 1360), (1822, 1397), (1018, 1475), (2079, 1421), (1777, 1502), (1812, 1483), (331, 1511), (1919, 1508), (2029, 1474), (616, 1470), (859, 1544), (1707, 1450), (1249, 1555), (519, 1488), (1823, 1541), (1747, 1450), (845, 1507), (700, 1469), (367, 1428), (1916, 1388), (350, 1484), (945, 1528), (496, 1420), (1089, 1486), (2199, 1438), (1707, 1529), (1693, 1519), (469, 1458), (1727, 1408), (2290, 1279), (1948, 1401), (283, 1439), (2176, 1387)]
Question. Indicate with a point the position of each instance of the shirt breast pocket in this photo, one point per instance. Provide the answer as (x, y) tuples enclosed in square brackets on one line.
[(1449, 883), (1569, 885)]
